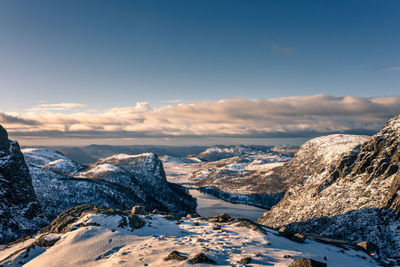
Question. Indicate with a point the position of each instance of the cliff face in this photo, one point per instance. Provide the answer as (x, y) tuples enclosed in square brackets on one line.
[(355, 197), (18, 201)]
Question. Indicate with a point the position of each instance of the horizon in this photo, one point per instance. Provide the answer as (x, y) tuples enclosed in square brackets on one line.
[(201, 72)]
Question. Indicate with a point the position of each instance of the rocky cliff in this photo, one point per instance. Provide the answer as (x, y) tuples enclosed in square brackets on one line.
[(354, 196), (18, 202)]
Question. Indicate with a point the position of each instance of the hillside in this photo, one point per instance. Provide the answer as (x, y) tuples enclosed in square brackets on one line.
[(353, 197)]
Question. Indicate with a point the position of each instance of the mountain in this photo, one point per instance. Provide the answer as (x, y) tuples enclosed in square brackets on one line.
[(91, 153), (248, 179), (222, 152), (354, 196), (120, 181), (18, 202), (91, 236)]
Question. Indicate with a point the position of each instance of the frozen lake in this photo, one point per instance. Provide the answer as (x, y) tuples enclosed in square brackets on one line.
[(208, 205)]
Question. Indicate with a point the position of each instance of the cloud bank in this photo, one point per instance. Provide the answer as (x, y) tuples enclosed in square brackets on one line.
[(298, 116)]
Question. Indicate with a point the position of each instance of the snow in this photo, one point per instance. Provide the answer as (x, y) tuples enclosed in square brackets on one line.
[(101, 168), (330, 148), (110, 245)]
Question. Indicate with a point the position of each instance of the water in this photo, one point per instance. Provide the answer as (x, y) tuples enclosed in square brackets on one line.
[(208, 205)]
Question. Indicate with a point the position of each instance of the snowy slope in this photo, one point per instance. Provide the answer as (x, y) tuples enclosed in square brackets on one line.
[(354, 196), (101, 239)]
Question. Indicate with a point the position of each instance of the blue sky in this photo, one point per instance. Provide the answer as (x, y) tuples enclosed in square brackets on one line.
[(108, 54)]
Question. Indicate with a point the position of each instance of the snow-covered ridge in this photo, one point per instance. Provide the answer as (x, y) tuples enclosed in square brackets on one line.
[(330, 148), (51, 159), (100, 239), (222, 152)]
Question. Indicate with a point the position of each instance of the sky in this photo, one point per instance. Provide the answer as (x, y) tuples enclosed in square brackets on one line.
[(196, 72)]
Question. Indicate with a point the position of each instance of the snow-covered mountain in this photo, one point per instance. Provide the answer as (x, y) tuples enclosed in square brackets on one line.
[(92, 236), (18, 202), (222, 152), (354, 196), (119, 181)]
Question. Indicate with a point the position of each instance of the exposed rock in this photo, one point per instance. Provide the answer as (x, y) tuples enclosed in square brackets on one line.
[(249, 224), (175, 255), (305, 262), (369, 247), (141, 210), (223, 218), (64, 221), (46, 241), (354, 196), (18, 202), (202, 258), (284, 231), (299, 238), (245, 260)]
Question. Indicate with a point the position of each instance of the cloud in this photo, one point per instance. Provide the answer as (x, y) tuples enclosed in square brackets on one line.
[(283, 50), (297, 116), (10, 120), (60, 106), (392, 68)]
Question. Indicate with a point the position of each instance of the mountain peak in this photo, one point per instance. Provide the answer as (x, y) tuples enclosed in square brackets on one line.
[(3, 137)]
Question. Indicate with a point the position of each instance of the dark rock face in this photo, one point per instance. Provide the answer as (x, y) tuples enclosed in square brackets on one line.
[(18, 201), (355, 198)]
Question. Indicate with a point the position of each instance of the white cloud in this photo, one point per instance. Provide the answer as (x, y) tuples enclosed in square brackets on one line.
[(60, 106), (296, 116)]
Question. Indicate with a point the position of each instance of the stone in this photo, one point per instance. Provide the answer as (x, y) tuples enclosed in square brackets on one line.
[(140, 210), (299, 238), (369, 247), (223, 218), (306, 262), (45, 241), (245, 260), (175, 255), (283, 231), (202, 258)]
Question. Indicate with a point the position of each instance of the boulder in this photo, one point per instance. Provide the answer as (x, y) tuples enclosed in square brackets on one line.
[(175, 255), (141, 210), (306, 262), (202, 258), (245, 260), (369, 247)]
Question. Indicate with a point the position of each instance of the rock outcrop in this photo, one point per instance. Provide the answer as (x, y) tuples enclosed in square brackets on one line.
[(18, 202), (354, 197)]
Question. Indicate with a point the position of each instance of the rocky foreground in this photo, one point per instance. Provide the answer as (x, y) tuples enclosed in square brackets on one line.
[(91, 236)]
